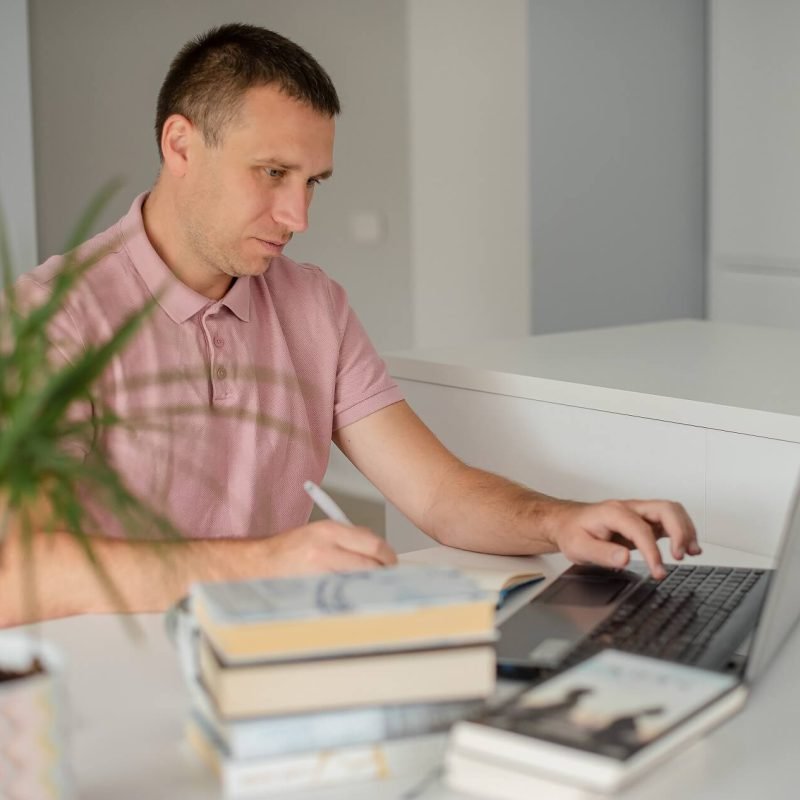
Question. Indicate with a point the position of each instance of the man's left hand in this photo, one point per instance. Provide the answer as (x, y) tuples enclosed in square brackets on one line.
[(604, 533)]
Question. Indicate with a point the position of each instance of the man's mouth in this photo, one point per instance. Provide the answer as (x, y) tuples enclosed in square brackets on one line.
[(274, 246)]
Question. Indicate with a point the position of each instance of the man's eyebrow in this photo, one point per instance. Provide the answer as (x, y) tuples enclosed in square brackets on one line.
[(272, 162)]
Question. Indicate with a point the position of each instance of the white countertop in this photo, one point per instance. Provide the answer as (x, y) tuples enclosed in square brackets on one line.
[(737, 378)]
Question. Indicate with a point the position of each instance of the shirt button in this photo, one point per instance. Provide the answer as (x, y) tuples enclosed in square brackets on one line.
[(218, 341), (221, 372)]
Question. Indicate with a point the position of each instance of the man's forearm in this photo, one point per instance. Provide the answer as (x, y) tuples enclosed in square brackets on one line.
[(477, 510), (149, 576)]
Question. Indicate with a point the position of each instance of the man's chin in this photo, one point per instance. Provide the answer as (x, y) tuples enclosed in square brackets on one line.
[(253, 269), (264, 266)]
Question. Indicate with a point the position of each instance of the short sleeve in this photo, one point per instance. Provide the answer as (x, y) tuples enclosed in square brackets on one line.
[(363, 384)]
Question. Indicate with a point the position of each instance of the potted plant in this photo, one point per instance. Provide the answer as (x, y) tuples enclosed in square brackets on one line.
[(40, 492), (33, 762)]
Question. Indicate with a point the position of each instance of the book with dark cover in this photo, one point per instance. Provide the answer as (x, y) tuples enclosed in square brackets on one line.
[(602, 722)]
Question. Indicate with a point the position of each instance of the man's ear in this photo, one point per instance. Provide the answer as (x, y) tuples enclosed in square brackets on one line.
[(176, 139)]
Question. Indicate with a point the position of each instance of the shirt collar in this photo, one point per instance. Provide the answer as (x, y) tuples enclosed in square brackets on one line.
[(237, 298), (175, 297)]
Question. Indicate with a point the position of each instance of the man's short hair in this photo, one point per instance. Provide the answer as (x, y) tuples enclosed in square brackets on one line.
[(207, 80)]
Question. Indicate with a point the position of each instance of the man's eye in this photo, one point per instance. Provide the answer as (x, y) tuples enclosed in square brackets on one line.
[(273, 172), (313, 182)]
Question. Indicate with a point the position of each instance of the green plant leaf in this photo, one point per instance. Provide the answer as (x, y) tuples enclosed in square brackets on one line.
[(36, 431)]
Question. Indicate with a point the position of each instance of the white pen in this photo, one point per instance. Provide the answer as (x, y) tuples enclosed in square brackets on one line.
[(326, 503)]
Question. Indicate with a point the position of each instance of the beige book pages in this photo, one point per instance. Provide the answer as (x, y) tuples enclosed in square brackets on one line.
[(499, 580)]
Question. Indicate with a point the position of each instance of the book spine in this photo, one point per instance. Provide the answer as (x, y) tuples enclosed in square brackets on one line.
[(280, 736), (414, 720), (274, 736), (466, 772), (273, 777)]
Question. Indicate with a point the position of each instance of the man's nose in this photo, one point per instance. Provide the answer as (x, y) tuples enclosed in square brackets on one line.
[(291, 209)]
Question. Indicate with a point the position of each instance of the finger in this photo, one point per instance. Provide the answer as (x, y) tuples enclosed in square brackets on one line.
[(673, 519), (366, 543), (342, 560), (620, 519), (693, 547), (588, 549), (356, 539)]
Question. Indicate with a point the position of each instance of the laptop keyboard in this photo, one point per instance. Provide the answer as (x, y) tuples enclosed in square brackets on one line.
[(675, 618)]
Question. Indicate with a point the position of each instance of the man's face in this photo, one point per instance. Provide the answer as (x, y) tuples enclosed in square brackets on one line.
[(243, 200)]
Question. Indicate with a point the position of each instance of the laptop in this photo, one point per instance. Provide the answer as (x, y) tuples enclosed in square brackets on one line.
[(719, 618)]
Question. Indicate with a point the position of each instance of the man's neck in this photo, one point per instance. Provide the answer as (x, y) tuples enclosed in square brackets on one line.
[(158, 215)]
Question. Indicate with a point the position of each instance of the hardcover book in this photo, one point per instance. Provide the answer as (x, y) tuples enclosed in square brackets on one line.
[(292, 687), (390, 608), (276, 776), (599, 724), (263, 737)]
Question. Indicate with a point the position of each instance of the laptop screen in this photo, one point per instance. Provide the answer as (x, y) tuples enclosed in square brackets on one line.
[(781, 609)]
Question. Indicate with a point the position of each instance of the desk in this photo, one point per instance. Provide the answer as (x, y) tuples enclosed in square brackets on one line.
[(700, 412), (129, 703)]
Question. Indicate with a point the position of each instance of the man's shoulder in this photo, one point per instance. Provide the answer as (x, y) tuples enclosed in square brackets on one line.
[(285, 269), (300, 278), (104, 251), (101, 294)]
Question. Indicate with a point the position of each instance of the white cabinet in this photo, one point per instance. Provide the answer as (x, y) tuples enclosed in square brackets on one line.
[(699, 412)]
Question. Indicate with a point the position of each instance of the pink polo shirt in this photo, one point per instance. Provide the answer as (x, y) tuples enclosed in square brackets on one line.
[(232, 402)]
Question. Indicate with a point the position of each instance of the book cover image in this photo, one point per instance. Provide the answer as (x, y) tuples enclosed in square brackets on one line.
[(613, 704)]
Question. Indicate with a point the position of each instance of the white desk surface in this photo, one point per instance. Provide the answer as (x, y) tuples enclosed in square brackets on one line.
[(128, 705), (730, 377)]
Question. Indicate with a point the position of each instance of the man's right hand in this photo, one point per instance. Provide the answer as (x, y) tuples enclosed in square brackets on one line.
[(152, 579), (323, 546)]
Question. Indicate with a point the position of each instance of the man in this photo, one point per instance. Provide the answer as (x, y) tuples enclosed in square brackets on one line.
[(272, 353)]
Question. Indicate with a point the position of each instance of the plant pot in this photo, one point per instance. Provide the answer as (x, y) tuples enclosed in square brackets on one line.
[(33, 762)]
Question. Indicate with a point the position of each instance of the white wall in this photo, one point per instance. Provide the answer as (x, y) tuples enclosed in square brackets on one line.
[(617, 137), (754, 253), (470, 242), (17, 196)]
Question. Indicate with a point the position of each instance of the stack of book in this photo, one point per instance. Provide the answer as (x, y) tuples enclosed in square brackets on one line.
[(299, 680)]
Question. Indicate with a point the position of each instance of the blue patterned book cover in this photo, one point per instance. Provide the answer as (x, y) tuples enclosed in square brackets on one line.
[(405, 587)]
